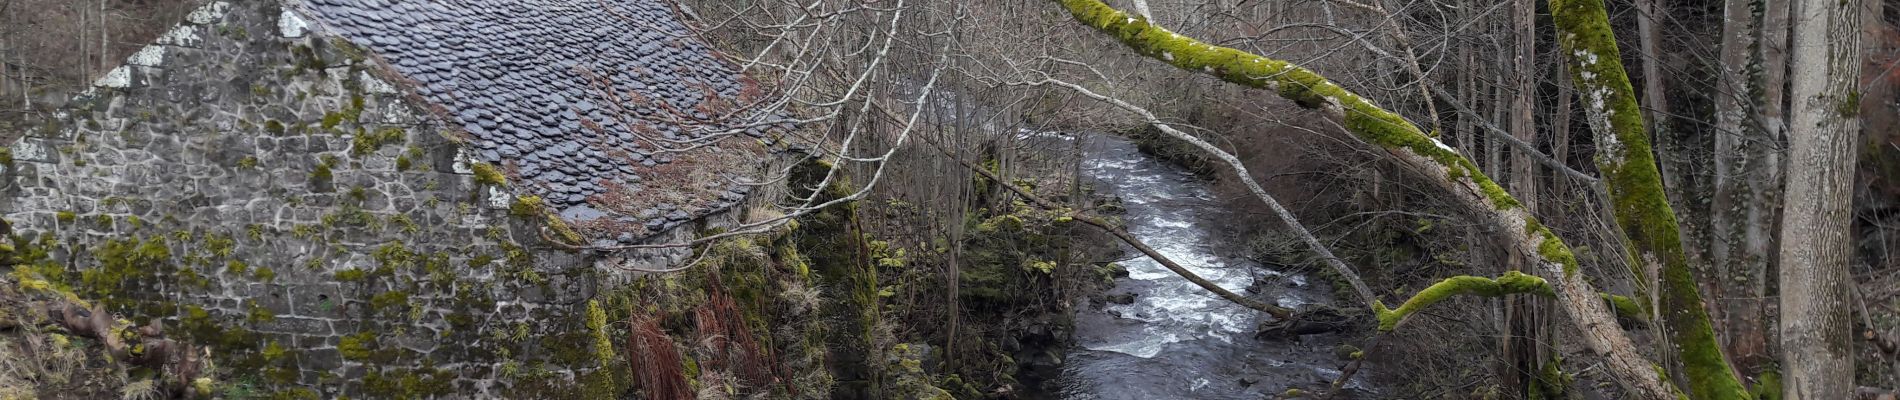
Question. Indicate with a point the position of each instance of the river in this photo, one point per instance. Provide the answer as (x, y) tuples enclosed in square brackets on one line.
[(1176, 340)]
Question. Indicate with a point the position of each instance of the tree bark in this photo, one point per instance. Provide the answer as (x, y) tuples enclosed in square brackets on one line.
[(1729, 225), (1523, 345), (1523, 108), (1816, 327)]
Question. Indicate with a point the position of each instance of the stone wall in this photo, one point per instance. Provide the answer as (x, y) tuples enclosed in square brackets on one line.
[(258, 187)]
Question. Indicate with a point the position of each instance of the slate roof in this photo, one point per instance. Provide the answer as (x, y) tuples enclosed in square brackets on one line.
[(528, 81)]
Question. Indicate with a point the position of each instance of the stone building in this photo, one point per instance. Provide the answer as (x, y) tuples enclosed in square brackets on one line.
[(384, 198)]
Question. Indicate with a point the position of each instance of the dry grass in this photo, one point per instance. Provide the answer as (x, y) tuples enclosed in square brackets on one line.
[(39, 363)]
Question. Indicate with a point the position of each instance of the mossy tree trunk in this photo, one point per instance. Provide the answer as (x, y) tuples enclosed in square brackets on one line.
[(1442, 165), (1816, 327), (1636, 193)]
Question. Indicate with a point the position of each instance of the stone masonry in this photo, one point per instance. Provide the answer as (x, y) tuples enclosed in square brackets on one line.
[(311, 204)]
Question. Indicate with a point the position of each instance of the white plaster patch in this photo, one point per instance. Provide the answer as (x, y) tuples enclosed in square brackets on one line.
[(182, 35), (397, 113), (29, 150), (498, 198), (210, 13), (119, 78), (462, 164), (291, 25), (376, 85), (150, 56)]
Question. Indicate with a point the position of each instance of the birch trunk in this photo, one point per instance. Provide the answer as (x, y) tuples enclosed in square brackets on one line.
[(1816, 329)]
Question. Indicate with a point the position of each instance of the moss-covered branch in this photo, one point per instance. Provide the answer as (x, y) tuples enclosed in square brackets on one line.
[(1512, 282), (1636, 193), (1408, 145)]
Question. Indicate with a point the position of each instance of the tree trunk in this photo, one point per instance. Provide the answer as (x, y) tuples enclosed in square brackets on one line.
[(1635, 188), (1560, 121), (105, 39), (1728, 210), (1523, 172), (1816, 328), (1522, 311), (1656, 102), (1746, 305)]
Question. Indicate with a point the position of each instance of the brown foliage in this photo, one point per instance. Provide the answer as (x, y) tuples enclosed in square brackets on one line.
[(721, 328), (656, 364)]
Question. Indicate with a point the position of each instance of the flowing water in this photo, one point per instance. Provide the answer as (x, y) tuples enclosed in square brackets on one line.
[(1176, 340)]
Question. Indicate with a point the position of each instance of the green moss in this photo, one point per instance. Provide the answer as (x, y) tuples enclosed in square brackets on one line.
[(1550, 247), (1626, 307), (123, 262), (220, 244), (352, 275), (528, 206), (66, 217), (419, 383), (366, 143), (331, 120), (356, 347), (1512, 282), (248, 162), (236, 267), (597, 325), (563, 231), (295, 393), (392, 302), (321, 175), (351, 113), (1850, 106), (488, 175), (274, 127), (1551, 381), (258, 314), (263, 274), (1768, 387), (407, 225)]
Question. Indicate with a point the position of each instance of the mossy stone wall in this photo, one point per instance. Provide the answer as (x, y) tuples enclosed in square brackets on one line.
[(264, 188)]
